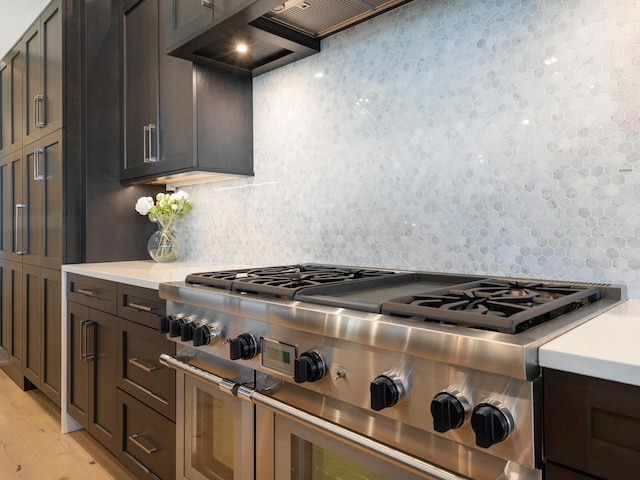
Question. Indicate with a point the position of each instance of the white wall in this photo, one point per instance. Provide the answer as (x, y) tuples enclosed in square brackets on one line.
[(15, 18)]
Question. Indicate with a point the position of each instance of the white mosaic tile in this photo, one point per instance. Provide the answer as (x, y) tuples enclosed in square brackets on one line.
[(487, 137)]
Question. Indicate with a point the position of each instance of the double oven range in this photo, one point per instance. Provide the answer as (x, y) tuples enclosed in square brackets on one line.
[(302, 372)]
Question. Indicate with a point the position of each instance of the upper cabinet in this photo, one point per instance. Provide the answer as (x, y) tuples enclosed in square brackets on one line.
[(274, 32), (42, 47), (180, 119), (11, 69)]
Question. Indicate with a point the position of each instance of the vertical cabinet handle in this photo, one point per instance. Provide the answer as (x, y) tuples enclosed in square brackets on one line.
[(84, 341), (147, 139), (37, 176), (152, 130), (19, 248), (145, 143), (38, 107)]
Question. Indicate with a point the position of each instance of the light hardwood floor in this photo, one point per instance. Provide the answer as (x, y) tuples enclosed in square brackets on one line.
[(32, 447)]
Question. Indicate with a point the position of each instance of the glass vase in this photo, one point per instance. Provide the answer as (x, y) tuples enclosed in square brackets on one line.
[(163, 245)]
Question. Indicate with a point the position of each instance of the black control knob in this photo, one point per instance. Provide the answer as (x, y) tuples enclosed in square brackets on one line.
[(385, 392), (203, 333), (309, 367), (447, 411), (163, 322), (491, 424), (186, 331), (243, 347), (174, 325)]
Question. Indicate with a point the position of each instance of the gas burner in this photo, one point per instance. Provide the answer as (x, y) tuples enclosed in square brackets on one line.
[(283, 281), (501, 305)]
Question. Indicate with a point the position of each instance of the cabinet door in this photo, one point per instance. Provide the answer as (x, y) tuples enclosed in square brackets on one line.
[(140, 43), (78, 367), (11, 69), (176, 114), (32, 288), (11, 325), (51, 335), (43, 193), (43, 75), (186, 19), (13, 208), (101, 356)]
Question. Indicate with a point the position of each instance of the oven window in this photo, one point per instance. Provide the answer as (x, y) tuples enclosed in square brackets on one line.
[(312, 462), (212, 450)]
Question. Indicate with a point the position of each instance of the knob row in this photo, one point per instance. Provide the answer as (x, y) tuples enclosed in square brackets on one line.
[(491, 422)]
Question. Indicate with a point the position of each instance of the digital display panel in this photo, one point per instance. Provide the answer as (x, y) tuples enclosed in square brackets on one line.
[(278, 356)]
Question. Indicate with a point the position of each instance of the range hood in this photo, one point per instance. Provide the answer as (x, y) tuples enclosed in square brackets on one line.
[(275, 32)]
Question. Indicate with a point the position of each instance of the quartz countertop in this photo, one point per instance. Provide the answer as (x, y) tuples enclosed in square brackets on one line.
[(146, 273), (606, 346)]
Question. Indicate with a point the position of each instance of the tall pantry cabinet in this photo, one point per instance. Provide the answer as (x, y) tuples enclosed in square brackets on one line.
[(31, 190), (60, 196)]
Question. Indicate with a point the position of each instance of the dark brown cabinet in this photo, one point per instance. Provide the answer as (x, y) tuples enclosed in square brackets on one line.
[(591, 426), (92, 362), (11, 320), (43, 63), (11, 70), (146, 388), (178, 117), (42, 332), (117, 388), (43, 198), (13, 207)]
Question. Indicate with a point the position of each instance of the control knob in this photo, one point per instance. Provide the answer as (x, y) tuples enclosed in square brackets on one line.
[(243, 347), (309, 367), (164, 322), (386, 391), (448, 410), (175, 324), (492, 423), (186, 329), (204, 334)]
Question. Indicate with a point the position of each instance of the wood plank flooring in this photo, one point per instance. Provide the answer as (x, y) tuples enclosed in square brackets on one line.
[(32, 447)]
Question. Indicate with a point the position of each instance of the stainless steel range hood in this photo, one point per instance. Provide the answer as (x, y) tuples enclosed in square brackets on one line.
[(321, 18), (276, 32)]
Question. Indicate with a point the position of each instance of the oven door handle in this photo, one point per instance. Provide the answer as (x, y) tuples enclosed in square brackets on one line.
[(249, 394), (225, 385)]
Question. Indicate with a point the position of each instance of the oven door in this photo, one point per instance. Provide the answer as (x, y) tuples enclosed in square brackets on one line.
[(214, 428), (303, 453)]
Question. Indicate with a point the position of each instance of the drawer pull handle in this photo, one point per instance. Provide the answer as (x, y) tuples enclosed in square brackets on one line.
[(135, 441), (137, 362), (88, 293), (140, 307)]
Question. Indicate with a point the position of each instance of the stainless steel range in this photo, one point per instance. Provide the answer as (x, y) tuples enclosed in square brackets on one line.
[(328, 372)]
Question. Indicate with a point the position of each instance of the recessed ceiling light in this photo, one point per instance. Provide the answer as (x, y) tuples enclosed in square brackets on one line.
[(242, 48)]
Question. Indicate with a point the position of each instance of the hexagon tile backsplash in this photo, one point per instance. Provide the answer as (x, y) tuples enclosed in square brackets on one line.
[(490, 137)]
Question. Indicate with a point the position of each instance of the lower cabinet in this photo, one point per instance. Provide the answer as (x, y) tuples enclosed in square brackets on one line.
[(147, 440), (11, 320), (118, 390), (92, 371), (591, 427)]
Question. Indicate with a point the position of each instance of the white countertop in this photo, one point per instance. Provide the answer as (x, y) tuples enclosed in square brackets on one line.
[(146, 273), (607, 346)]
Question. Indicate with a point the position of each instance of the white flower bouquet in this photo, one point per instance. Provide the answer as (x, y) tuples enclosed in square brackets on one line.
[(163, 245)]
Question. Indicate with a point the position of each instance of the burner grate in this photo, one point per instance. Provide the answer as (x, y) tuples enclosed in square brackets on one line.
[(508, 306)]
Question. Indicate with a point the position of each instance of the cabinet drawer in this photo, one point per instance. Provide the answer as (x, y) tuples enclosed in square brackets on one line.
[(92, 292), (592, 425), (147, 440), (139, 371), (140, 305)]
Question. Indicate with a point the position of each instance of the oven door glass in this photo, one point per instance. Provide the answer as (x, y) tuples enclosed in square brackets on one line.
[(303, 453), (218, 434)]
